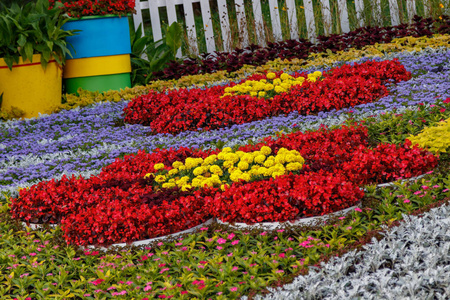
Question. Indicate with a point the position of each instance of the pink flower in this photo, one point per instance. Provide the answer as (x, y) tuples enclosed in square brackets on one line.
[(233, 289), (231, 236), (33, 254), (358, 209), (204, 228), (97, 281), (147, 288), (234, 268), (282, 255), (263, 233), (280, 230), (160, 244), (219, 248), (406, 201), (235, 242), (230, 254), (221, 241), (279, 271), (349, 228)]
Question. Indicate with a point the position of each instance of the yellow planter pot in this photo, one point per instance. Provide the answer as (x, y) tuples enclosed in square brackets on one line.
[(30, 88)]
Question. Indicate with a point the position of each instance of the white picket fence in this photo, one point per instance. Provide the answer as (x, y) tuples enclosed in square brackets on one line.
[(289, 5)]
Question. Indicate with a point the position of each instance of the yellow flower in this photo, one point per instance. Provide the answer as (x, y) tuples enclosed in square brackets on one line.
[(271, 75), (276, 174), (186, 187), (224, 186), (210, 160), (173, 172), (277, 81), (285, 76), (228, 164), (266, 150), (268, 87), (233, 157), (159, 166), (177, 164), (262, 171), (269, 163), (199, 171), (226, 150), (168, 185), (228, 90), (245, 177), (191, 163), (148, 175), (261, 94), (196, 182), (253, 94), (215, 169), (295, 166), (242, 165), (160, 178), (235, 176), (279, 89), (317, 73), (260, 159)]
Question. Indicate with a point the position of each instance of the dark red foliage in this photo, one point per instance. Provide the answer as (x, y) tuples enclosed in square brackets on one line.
[(256, 55)]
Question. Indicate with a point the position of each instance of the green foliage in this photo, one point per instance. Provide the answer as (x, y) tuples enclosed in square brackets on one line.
[(151, 56), (33, 29)]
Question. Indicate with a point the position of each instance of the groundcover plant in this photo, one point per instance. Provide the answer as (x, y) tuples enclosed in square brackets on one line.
[(217, 261)]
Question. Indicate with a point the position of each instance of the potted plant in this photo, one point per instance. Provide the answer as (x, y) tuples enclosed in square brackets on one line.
[(33, 50), (101, 60)]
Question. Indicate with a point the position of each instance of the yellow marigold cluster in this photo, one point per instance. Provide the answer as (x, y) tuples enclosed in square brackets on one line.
[(266, 88), (227, 167)]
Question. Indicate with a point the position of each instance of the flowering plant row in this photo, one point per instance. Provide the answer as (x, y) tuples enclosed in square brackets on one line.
[(180, 110), (256, 55), (124, 202), (81, 8)]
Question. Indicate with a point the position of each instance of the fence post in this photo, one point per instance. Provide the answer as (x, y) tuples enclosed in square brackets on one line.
[(224, 25), (292, 16), (326, 13), (411, 8), (207, 23), (343, 15), (395, 14), (275, 18), (359, 5), (259, 24), (310, 23), (190, 26), (242, 21)]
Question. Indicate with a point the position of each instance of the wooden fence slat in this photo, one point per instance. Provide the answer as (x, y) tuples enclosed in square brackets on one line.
[(343, 15), (376, 11), (208, 26), (156, 22), (310, 23), (292, 16), (326, 13), (259, 23), (393, 8), (242, 21), (411, 8), (359, 5), (224, 25), (172, 17), (275, 18), (137, 17), (190, 25)]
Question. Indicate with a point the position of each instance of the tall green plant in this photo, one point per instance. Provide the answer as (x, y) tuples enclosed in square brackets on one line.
[(151, 56), (33, 29)]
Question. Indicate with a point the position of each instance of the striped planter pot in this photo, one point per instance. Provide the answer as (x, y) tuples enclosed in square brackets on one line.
[(101, 60)]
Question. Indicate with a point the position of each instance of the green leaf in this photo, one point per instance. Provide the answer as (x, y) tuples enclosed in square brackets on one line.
[(28, 48)]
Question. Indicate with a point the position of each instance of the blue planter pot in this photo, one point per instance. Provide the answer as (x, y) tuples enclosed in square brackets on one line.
[(100, 37)]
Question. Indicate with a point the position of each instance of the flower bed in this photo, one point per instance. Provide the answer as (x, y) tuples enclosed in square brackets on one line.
[(216, 262), (140, 196), (180, 110)]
